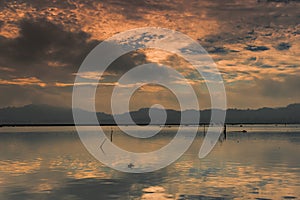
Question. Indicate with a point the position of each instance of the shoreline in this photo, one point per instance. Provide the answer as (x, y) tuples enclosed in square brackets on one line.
[(144, 124)]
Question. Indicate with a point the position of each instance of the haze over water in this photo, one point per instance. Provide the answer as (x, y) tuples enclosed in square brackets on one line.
[(51, 163)]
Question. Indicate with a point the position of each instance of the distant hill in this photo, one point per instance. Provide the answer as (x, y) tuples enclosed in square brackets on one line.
[(45, 114)]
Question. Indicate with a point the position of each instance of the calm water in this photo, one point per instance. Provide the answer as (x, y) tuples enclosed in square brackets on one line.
[(51, 163)]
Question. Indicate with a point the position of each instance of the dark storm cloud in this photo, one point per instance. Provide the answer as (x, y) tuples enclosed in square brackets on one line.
[(42, 44), (51, 53)]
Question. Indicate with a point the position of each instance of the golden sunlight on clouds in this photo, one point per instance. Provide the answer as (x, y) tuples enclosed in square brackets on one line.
[(56, 64), (64, 84), (101, 23), (94, 75), (151, 88), (23, 81), (11, 16), (255, 44), (99, 20)]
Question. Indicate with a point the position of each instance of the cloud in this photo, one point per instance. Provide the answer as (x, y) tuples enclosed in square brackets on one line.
[(19, 95), (127, 62), (23, 81), (219, 50), (256, 48), (39, 46), (264, 91), (277, 1), (48, 40), (140, 8), (283, 46), (42, 54), (266, 66), (287, 87)]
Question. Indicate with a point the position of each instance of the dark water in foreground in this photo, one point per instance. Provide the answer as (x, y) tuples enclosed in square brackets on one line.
[(51, 163)]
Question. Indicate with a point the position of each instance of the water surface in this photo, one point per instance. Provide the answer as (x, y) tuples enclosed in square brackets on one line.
[(51, 163)]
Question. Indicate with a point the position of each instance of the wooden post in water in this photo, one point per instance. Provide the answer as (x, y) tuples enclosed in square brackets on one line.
[(225, 132), (111, 134)]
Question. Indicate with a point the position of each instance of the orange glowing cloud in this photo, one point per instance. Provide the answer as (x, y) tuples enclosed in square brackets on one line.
[(23, 82)]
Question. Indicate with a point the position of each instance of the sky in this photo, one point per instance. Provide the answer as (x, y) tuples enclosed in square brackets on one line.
[(255, 45)]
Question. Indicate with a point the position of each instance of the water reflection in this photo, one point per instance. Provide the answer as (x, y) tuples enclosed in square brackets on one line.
[(52, 163)]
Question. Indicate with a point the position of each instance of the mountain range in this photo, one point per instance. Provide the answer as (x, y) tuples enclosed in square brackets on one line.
[(37, 114)]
